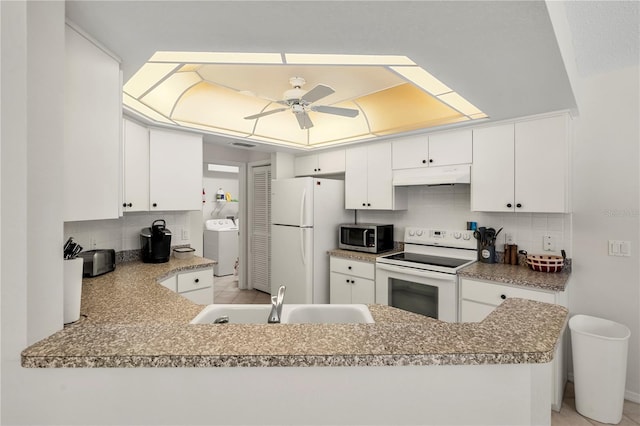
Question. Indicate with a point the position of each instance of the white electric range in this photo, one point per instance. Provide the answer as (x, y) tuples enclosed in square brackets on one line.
[(422, 279)]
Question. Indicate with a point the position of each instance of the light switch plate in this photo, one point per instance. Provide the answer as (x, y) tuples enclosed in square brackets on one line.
[(619, 248)]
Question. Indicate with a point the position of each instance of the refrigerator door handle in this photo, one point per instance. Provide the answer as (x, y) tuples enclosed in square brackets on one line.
[(302, 204), (302, 253)]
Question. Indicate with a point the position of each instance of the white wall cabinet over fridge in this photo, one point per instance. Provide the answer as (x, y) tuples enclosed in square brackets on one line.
[(93, 113), (522, 167), (440, 149), (368, 179), (151, 161), (321, 164)]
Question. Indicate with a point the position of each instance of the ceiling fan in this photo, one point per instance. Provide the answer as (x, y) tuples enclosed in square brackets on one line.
[(299, 102)]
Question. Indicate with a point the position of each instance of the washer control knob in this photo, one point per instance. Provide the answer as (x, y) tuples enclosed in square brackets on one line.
[(419, 232), (412, 232), (466, 236), (457, 235)]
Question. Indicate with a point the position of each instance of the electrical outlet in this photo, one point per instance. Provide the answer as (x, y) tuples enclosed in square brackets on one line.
[(185, 234), (548, 243)]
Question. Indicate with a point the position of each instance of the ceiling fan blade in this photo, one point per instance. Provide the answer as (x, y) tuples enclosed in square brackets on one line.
[(303, 120), (262, 114), (318, 92), (345, 112)]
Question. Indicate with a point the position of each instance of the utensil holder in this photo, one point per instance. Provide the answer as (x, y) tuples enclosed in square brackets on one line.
[(487, 253), (72, 290)]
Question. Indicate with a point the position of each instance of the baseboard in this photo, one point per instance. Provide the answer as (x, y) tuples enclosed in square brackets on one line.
[(628, 395)]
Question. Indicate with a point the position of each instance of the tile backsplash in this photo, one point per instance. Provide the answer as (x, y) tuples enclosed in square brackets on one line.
[(449, 207), (124, 233)]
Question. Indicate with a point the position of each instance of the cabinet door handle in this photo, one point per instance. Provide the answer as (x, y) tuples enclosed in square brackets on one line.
[(155, 204), (431, 160), (503, 296), (353, 282), (509, 205), (197, 280), (424, 161), (518, 205), (347, 280), (349, 267), (364, 204), (368, 204)]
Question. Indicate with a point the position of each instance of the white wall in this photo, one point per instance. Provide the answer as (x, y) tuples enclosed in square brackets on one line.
[(448, 207), (229, 182), (606, 201)]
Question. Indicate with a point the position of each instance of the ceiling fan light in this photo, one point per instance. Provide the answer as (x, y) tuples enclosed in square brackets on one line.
[(293, 94)]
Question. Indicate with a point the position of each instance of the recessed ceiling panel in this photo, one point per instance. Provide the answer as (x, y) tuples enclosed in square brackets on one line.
[(362, 99)]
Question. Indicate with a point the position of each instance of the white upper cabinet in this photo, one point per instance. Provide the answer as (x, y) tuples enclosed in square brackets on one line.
[(440, 149), (136, 167), (522, 167), (323, 163), (451, 148), (368, 179), (542, 165), (492, 172), (93, 114), (175, 171)]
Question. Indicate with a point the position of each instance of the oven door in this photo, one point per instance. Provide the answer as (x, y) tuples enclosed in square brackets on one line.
[(433, 294)]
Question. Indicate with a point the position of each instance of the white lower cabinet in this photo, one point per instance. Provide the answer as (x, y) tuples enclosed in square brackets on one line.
[(479, 298), (196, 286), (351, 281)]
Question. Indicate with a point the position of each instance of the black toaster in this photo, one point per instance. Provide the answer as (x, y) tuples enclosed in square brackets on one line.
[(97, 262)]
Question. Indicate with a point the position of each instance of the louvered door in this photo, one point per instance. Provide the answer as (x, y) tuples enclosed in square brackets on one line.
[(260, 237)]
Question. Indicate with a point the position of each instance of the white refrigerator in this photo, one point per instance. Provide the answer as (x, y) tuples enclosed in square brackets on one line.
[(305, 214)]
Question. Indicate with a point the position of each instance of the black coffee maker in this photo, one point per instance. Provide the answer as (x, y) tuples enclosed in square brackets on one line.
[(156, 242)]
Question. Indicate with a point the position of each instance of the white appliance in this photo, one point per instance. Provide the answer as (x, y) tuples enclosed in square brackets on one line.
[(221, 244), (305, 214), (423, 279)]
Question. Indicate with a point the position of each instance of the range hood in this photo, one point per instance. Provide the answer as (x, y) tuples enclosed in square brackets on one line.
[(442, 175)]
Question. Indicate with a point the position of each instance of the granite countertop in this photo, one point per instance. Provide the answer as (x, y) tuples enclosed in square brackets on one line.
[(363, 256), (129, 320), (516, 275)]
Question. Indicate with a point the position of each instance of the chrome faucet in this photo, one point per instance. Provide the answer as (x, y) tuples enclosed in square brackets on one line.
[(276, 306)]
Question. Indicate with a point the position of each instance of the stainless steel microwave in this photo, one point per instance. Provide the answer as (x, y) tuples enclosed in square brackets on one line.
[(367, 237)]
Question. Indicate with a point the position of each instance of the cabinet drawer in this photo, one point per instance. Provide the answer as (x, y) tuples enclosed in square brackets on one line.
[(352, 267), (494, 294), (195, 280), (204, 296)]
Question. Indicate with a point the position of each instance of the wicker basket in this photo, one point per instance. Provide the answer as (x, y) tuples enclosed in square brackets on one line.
[(545, 263)]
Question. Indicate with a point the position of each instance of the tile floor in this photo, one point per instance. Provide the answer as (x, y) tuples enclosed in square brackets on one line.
[(226, 291), (568, 416)]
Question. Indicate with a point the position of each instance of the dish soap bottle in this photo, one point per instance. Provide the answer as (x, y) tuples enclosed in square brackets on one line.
[(220, 195)]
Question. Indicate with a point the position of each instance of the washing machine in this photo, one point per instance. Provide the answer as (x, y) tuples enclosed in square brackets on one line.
[(221, 244)]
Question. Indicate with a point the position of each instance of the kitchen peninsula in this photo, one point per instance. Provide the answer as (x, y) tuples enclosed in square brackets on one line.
[(129, 320)]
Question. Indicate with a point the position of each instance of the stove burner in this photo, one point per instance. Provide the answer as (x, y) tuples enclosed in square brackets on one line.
[(446, 262)]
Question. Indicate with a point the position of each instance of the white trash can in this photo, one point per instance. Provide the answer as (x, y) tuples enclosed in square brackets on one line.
[(599, 366)]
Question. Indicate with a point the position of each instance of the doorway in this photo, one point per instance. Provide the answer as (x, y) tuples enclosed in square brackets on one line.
[(259, 213)]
